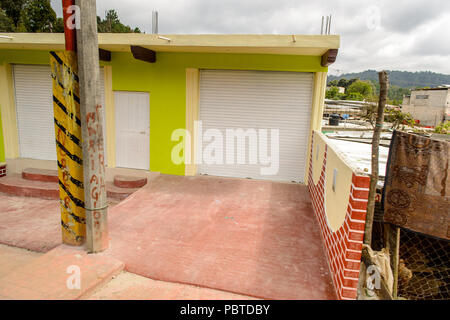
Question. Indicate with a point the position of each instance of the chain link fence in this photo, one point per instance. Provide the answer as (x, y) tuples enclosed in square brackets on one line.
[(424, 261), (424, 267)]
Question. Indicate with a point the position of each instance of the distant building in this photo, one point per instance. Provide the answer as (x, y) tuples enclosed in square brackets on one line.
[(340, 89), (429, 106)]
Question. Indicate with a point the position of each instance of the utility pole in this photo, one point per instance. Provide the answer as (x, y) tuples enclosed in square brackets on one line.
[(92, 114), (384, 84)]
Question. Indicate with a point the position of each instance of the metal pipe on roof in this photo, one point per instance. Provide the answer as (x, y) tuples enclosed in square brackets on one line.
[(155, 22), (321, 27), (329, 25)]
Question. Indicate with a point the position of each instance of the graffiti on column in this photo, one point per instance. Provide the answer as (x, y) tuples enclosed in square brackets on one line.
[(96, 158)]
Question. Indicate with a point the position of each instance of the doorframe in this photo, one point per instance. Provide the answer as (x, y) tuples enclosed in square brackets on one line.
[(112, 126)]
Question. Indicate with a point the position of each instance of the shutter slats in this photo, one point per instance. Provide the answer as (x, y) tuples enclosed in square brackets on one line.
[(259, 100), (34, 107)]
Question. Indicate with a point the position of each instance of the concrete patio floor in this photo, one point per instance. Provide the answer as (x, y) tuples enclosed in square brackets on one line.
[(30, 223), (257, 238), (248, 237)]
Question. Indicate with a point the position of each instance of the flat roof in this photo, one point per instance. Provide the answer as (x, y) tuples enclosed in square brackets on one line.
[(426, 89), (311, 45)]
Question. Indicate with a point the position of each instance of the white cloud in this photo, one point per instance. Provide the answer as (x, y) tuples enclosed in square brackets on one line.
[(376, 34)]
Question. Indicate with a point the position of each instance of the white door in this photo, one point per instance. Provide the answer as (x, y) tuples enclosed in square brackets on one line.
[(231, 99), (132, 129), (34, 107)]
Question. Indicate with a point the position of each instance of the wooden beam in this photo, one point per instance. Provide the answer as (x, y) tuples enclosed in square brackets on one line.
[(143, 54), (104, 55), (329, 57)]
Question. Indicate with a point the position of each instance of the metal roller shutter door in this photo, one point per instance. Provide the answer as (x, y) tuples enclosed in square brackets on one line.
[(259, 100), (34, 108)]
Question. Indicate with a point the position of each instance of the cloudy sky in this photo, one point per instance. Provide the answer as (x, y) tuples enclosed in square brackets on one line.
[(409, 35)]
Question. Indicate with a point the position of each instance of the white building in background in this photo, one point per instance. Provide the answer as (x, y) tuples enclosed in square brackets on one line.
[(430, 106)]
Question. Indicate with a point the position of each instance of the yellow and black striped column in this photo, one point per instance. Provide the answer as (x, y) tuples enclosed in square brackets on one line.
[(66, 108)]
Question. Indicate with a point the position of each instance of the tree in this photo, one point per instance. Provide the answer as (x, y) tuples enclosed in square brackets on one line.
[(360, 88), (342, 83), (6, 24), (333, 83), (13, 9), (59, 25), (112, 24), (331, 93), (398, 119), (38, 16)]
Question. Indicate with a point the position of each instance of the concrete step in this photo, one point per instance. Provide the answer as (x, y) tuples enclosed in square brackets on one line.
[(44, 175), (122, 181), (14, 184), (118, 193)]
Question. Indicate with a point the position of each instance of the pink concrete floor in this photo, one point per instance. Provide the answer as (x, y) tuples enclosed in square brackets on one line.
[(48, 276), (256, 238), (30, 223)]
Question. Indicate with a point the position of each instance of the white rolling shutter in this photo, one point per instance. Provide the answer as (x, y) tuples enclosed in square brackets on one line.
[(258, 100), (34, 107), (33, 88)]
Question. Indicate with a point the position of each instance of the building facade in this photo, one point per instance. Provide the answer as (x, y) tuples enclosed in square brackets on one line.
[(430, 106), (219, 81)]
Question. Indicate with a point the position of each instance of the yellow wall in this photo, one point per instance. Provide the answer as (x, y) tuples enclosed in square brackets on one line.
[(319, 88), (110, 118), (336, 201), (8, 112), (192, 114)]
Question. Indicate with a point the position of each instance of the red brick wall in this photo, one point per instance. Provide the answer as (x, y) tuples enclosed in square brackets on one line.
[(343, 247)]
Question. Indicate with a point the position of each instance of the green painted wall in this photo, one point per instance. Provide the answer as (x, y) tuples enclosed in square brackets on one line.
[(165, 80)]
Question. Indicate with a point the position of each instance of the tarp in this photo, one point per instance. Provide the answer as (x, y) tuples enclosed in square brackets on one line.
[(417, 184)]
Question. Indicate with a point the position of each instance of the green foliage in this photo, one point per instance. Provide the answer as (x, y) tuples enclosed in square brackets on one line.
[(398, 119), (59, 25), (6, 24), (13, 9), (332, 93), (443, 128), (38, 16), (354, 96), (402, 79), (360, 90), (395, 117), (344, 82), (333, 83), (112, 24)]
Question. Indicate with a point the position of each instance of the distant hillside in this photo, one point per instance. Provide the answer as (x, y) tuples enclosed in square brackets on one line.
[(402, 79)]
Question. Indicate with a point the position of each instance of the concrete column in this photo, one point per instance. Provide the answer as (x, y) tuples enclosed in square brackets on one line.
[(92, 128)]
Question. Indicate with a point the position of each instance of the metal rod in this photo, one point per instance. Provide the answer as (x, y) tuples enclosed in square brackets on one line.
[(155, 22), (329, 25), (321, 27)]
